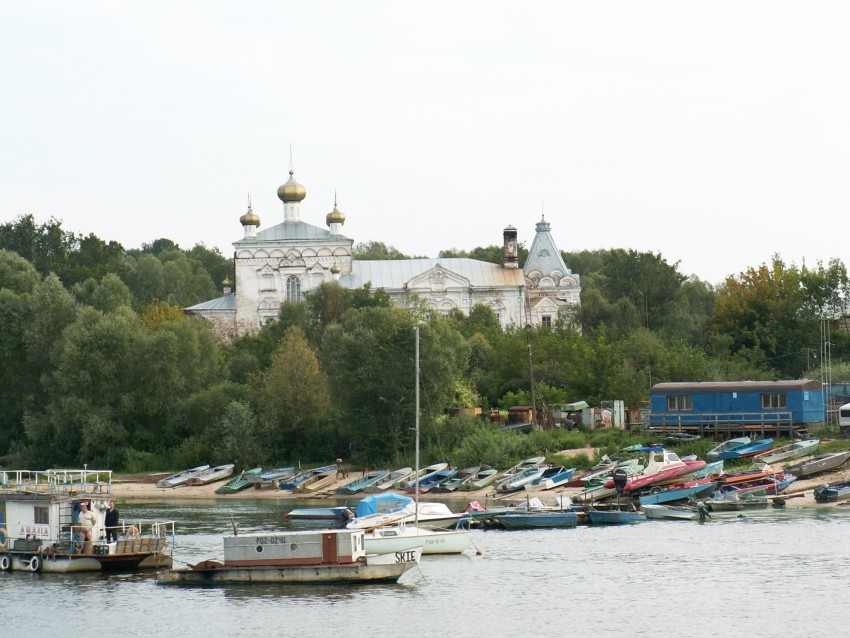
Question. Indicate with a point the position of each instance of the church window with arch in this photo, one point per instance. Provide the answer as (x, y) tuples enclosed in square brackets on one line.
[(293, 288)]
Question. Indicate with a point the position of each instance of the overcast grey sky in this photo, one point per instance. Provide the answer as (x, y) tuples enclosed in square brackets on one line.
[(716, 133)]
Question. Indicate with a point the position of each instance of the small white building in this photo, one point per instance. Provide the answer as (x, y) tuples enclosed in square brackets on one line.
[(292, 258)]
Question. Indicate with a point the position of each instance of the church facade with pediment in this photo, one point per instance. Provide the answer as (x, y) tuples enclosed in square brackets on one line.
[(293, 258)]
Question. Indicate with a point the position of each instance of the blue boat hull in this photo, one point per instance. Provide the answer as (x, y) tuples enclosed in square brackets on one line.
[(614, 517), (541, 520)]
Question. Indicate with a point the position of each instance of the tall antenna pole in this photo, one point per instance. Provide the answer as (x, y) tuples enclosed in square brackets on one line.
[(416, 517)]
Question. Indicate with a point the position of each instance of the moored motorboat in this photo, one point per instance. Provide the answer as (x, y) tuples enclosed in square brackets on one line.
[(701, 488), (304, 557), (391, 509), (396, 538), (614, 516), (537, 519), (667, 512)]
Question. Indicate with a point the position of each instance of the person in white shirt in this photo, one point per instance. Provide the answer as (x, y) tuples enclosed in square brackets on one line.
[(87, 520)]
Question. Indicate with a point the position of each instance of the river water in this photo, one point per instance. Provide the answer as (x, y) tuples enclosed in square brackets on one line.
[(782, 572)]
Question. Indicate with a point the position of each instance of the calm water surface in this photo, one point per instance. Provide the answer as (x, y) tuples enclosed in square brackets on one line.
[(776, 572)]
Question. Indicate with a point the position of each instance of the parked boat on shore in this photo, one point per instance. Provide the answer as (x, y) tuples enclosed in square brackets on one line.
[(785, 453), (303, 480), (360, 484), (180, 478), (551, 478), (833, 492), (518, 481), (485, 477), (823, 463), (270, 478), (389, 481), (715, 454), (741, 450), (241, 481), (212, 475)]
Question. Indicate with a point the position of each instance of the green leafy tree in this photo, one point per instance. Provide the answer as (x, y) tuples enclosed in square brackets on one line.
[(293, 393), (370, 358), (377, 250), (765, 312), (16, 273), (234, 437), (646, 280), (106, 295)]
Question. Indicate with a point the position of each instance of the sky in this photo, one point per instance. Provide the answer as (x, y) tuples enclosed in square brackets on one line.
[(715, 134)]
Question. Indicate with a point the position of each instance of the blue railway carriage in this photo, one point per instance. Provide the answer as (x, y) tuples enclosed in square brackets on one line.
[(734, 408)]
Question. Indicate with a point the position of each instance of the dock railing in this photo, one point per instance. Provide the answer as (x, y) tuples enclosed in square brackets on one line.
[(80, 481), (708, 424)]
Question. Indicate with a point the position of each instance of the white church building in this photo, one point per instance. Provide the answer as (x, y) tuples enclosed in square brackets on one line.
[(292, 258)]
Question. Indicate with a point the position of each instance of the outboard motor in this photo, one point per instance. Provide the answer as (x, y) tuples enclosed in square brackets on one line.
[(621, 477)]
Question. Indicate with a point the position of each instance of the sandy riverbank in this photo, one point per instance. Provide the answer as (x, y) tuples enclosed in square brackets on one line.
[(799, 494)]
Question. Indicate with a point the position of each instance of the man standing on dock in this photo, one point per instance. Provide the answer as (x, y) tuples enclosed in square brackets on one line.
[(110, 522), (87, 521)]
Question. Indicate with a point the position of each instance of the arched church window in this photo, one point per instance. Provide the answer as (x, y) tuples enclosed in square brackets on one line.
[(293, 288)]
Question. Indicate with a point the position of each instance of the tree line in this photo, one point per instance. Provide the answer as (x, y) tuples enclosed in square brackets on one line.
[(101, 367)]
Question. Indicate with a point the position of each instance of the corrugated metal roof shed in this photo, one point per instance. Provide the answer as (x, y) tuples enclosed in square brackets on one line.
[(736, 386)]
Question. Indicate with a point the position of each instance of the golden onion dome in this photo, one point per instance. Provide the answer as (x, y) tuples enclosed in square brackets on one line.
[(227, 282), (335, 269), (292, 191), (336, 216), (250, 218)]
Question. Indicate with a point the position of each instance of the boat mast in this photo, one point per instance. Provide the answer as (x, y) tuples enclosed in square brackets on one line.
[(416, 515)]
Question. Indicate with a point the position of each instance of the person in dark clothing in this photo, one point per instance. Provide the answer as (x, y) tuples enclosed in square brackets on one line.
[(111, 523)]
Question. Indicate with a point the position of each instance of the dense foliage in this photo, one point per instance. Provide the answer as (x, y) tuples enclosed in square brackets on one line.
[(99, 365)]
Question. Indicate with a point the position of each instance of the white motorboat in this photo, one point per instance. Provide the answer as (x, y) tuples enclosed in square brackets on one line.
[(396, 538)]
